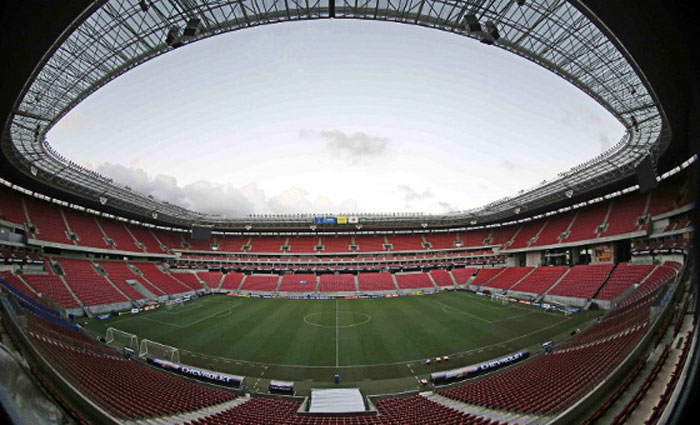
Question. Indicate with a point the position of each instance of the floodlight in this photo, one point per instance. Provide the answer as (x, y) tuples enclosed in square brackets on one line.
[(34, 170), (103, 200), (154, 215), (569, 193), (192, 28), (492, 30), (173, 38), (471, 23), (516, 210)]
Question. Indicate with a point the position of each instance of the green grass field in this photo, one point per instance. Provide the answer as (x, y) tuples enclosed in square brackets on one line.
[(379, 345)]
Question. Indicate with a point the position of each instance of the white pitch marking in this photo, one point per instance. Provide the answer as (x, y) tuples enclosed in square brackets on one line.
[(458, 311), (228, 310)]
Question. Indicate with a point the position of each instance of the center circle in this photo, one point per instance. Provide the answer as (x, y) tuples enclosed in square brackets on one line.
[(340, 319)]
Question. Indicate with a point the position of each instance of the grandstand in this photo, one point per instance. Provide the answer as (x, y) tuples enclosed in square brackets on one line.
[(591, 260)]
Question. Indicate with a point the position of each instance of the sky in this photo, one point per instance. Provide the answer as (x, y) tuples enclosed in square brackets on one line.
[(335, 116)]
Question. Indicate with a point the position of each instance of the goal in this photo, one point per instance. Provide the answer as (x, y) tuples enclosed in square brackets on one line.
[(161, 351), (497, 298), (119, 339)]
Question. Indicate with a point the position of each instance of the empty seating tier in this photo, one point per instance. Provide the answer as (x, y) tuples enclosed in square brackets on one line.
[(189, 280), (406, 242), (462, 275), (144, 235), (622, 278), (336, 243), (172, 240), (485, 275), (508, 278), (556, 225), (370, 243), (625, 214), (413, 410), (120, 275), (86, 229), (269, 244), (375, 282), (441, 240), (413, 281), (160, 280), (232, 243), (212, 279), (260, 282), (232, 280), (11, 208), (298, 283), (125, 388), (336, 283), (303, 244), (582, 281), (51, 286), (117, 232), (527, 232), (585, 225), (474, 238), (89, 286), (441, 277), (549, 382), (540, 279), (47, 221)]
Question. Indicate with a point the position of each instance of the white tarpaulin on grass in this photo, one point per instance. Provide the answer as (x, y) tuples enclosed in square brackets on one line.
[(339, 400)]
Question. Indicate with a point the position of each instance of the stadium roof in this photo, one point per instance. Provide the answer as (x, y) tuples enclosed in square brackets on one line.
[(110, 37)]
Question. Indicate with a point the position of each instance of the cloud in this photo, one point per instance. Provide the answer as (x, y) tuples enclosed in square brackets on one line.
[(222, 199), (509, 165), (353, 148), (447, 207), (410, 194), (588, 121)]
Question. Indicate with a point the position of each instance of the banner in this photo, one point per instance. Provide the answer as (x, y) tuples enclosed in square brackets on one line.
[(473, 370), (342, 220), (353, 220), (330, 220), (201, 374)]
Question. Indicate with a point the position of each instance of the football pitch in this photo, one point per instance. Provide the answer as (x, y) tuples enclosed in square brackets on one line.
[(379, 345)]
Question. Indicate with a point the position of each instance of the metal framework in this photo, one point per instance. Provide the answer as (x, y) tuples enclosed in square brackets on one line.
[(117, 35)]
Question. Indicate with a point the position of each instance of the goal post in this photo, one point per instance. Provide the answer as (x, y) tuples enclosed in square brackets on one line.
[(161, 351), (118, 338), (499, 298)]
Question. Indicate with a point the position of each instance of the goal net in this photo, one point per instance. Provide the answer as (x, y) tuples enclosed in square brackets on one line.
[(170, 304), (119, 339), (497, 298), (161, 351)]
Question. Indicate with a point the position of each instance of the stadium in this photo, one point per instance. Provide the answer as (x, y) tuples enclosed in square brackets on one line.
[(571, 302)]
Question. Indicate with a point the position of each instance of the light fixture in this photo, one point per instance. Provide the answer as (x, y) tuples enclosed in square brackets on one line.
[(471, 23), (569, 193), (473, 222), (492, 30), (192, 28), (154, 215), (424, 225), (248, 227), (34, 170), (517, 210), (173, 38), (103, 200)]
